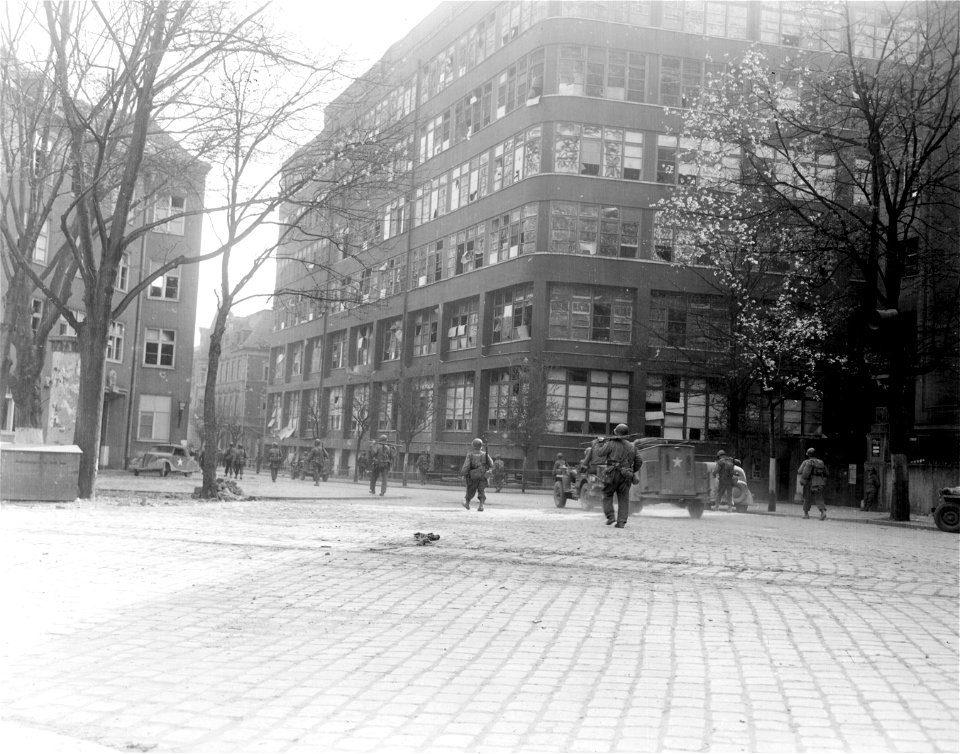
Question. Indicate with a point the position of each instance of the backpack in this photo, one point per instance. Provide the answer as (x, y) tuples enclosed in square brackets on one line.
[(613, 473), (383, 456), (818, 474), (478, 464)]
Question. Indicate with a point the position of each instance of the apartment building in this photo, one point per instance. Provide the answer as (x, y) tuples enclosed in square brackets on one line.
[(149, 354), (524, 234)]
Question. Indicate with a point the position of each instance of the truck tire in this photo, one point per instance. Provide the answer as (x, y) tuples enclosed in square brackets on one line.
[(695, 510), (585, 501), (165, 470), (947, 518), (559, 496)]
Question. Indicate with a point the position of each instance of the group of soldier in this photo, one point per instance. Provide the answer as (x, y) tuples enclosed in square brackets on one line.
[(615, 459)]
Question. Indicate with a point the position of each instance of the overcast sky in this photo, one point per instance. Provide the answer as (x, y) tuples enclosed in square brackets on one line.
[(364, 29)]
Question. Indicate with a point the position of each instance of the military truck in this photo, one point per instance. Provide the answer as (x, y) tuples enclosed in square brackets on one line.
[(669, 474)]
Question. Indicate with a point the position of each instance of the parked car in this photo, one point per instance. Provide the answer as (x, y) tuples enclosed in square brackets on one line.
[(163, 459), (947, 513)]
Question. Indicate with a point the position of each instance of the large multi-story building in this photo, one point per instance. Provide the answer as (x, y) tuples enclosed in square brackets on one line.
[(524, 234)]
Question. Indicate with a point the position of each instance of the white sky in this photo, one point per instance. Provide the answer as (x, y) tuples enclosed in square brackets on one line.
[(364, 30)]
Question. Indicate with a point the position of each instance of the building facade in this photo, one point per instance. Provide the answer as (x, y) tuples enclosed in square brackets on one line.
[(524, 235), (149, 354), (241, 397)]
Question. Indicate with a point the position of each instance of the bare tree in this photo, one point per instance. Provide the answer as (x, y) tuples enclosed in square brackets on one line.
[(361, 418), (415, 413), (526, 412), (123, 80)]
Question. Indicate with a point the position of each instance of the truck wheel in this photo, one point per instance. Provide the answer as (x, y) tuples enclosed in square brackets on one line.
[(165, 470), (585, 501), (559, 496), (136, 472), (695, 510), (947, 518)]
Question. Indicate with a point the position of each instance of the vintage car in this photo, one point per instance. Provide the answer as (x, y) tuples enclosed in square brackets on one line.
[(163, 459)]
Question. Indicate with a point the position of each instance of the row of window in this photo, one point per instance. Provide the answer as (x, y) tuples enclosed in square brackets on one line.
[(578, 401), (576, 312), (165, 206), (574, 228), (805, 25)]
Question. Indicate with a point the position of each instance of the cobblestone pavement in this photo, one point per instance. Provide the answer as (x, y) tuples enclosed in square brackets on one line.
[(314, 622)]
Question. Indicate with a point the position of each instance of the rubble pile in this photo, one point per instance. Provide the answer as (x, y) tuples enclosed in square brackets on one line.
[(227, 489)]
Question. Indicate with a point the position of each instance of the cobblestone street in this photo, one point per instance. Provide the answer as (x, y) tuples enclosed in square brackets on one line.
[(314, 622)]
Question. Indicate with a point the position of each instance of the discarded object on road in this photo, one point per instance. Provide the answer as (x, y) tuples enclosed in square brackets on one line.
[(425, 539)]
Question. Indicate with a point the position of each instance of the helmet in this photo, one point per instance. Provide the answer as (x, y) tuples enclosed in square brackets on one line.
[(383, 438), (316, 442), (621, 429), (478, 443), (721, 453), (737, 462), (559, 455), (811, 452), (276, 444)]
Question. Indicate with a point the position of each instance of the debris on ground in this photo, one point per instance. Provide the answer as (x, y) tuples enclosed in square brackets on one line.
[(227, 489), (425, 539)]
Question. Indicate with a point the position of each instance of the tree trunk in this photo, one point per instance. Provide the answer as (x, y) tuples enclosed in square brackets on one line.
[(210, 428), (772, 466), (22, 360), (91, 340)]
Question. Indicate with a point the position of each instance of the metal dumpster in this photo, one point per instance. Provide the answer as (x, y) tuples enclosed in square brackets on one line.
[(45, 473)]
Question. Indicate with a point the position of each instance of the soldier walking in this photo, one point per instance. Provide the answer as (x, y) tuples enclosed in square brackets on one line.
[(474, 473), (382, 458), (317, 460), (811, 479), (274, 459), (621, 461)]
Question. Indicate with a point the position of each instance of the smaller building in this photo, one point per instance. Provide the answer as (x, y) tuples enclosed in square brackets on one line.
[(241, 382)]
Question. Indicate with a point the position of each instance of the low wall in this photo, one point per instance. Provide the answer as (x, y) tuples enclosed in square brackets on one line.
[(925, 483)]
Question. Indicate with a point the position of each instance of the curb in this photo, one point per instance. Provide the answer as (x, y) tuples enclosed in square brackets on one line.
[(874, 521)]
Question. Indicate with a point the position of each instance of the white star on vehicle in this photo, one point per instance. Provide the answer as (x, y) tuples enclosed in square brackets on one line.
[(677, 462), (179, 462)]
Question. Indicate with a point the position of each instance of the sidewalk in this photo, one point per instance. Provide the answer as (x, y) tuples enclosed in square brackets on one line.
[(841, 513)]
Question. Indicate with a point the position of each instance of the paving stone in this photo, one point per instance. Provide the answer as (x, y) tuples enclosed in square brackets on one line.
[(291, 624)]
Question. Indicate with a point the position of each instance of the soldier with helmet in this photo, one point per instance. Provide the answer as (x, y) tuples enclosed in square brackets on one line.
[(381, 457), (274, 459), (317, 461), (811, 479), (474, 473), (622, 462)]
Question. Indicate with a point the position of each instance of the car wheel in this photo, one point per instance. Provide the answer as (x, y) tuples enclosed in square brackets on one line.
[(695, 510), (559, 496), (585, 501), (136, 472), (164, 470), (947, 518)]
